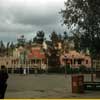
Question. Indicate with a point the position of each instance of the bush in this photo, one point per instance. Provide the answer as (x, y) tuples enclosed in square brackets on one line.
[(75, 70), (82, 69)]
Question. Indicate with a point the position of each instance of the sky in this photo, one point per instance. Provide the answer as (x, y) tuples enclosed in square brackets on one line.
[(26, 17)]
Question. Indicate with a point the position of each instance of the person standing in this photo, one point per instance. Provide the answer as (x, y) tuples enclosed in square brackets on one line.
[(24, 71), (3, 81)]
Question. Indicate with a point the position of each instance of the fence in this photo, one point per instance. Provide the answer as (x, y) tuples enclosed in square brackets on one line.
[(13, 64), (96, 64)]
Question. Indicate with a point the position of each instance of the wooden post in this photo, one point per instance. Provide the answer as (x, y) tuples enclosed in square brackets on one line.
[(7, 64), (11, 66), (47, 66), (92, 78), (65, 67), (28, 65), (41, 64)]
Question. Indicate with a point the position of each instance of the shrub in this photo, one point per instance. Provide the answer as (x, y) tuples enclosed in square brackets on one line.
[(82, 69)]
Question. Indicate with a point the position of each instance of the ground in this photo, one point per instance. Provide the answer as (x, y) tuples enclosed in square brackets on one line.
[(44, 86)]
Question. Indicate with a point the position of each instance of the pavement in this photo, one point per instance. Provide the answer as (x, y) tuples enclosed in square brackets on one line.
[(44, 86)]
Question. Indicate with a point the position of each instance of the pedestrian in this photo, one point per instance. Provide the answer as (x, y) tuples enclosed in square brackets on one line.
[(24, 71), (3, 81)]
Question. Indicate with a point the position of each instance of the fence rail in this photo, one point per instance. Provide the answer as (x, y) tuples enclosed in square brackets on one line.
[(96, 64)]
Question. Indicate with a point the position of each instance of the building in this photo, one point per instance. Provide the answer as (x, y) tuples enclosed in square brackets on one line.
[(37, 58), (75, 59), (33, 57)]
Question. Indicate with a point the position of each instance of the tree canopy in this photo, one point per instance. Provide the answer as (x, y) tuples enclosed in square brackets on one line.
[(21, 41), (39, 38), (54, 37), (84, 16)]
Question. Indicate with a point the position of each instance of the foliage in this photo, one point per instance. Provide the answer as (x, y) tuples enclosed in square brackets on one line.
[(83, 16), (65, 37), (82, 68), (12, 46), (2, 48), (21, 41), (39, 38), (54, 37)]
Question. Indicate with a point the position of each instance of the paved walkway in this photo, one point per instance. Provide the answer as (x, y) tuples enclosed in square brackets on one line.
[(44, 86)]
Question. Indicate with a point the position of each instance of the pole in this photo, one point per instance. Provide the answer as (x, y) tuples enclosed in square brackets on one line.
[(47, 66), (65, 68), (11, 64), (65, 71), (92, 78)]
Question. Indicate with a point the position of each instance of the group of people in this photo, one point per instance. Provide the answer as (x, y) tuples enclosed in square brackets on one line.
[(3, 81)]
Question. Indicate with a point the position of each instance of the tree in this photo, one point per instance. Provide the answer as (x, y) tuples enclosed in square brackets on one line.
[(12, 46), (2, 48), (53, 56), (21, 41), (30, 42), (77, 40), (54, 37), (7, 48), (84, 15), (60, 38), (65, 36), (39, 37)]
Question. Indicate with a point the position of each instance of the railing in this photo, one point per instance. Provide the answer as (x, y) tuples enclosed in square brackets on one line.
[(92, 86), (96, 64)]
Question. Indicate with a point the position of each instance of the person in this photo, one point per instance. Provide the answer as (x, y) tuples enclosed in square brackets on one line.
[(3, 81), (24, 71)]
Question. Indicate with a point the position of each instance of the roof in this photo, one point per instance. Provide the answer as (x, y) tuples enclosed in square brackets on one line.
[(36, 54), (74, 54)]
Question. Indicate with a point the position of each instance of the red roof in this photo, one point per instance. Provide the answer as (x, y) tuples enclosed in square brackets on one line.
[(36, 54)]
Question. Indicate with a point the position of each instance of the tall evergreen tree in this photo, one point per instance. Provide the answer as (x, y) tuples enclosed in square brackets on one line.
[(2, 48)]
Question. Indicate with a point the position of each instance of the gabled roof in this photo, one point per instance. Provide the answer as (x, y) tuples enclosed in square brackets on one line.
[(36, 54), (74, 54)]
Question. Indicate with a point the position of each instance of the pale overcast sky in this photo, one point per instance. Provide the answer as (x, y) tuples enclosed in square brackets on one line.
[(28, 16)]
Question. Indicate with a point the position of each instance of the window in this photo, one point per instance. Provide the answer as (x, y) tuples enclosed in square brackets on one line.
[(71, 61), (7, 63), (86, 61), (79, 61), (74, 61)]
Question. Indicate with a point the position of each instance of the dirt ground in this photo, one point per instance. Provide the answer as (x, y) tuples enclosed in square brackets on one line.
[(44, 86)]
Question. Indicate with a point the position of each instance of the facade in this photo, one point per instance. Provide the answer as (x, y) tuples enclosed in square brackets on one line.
[(37, 58), (9, 62), (75, 59), (33, 57), (96, 64), (40, 55)]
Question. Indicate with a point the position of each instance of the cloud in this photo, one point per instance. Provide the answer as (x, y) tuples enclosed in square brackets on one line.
[(29, 16)]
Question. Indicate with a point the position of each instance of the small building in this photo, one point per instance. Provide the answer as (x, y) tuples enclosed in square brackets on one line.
[(33, 57), (75, 59), (10, 63), (37, 58)]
